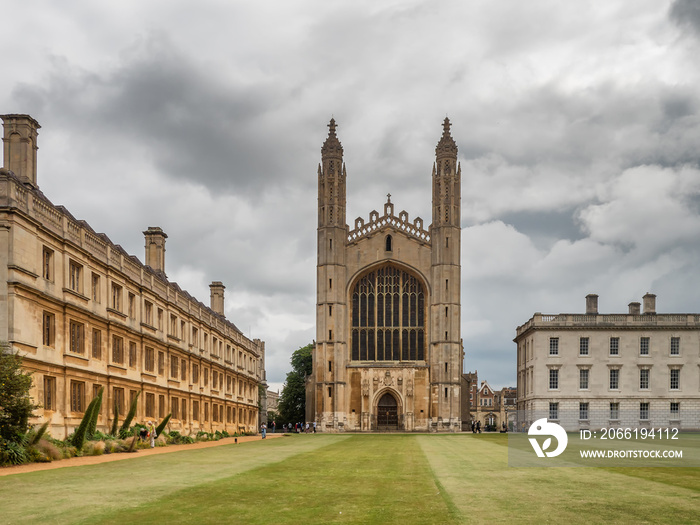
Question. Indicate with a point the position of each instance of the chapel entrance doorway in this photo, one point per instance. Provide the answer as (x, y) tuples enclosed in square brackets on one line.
[(387, 413)]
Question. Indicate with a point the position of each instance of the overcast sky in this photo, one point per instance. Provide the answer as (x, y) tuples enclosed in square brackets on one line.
[(578, 127)]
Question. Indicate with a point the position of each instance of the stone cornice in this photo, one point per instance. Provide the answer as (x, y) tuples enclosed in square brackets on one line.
[(616, 322)]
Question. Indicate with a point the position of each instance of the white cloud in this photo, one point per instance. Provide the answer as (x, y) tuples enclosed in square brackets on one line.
[(498, 250), (647, 207)]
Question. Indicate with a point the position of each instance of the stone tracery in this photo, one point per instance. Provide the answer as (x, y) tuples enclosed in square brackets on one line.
[(388, 317), (376, 223)]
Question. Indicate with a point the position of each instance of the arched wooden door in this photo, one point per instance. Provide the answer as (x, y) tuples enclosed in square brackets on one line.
[(387, 413)]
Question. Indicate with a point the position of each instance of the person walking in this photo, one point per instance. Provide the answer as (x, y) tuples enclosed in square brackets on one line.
[(151, 427), (263, 429)]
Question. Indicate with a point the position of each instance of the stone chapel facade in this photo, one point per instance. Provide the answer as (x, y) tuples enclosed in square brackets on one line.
[(388, 352)]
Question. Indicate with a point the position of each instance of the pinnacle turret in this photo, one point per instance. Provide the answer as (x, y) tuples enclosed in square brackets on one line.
[(332, 146), (447, 145)]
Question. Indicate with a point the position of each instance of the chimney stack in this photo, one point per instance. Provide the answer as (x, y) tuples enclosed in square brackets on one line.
[(217, 296), (591, 304), (634, 308), (649, 303), (19, 146), (155, 248)]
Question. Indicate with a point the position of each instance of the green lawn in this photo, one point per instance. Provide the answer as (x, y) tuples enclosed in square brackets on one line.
[(349, 479)]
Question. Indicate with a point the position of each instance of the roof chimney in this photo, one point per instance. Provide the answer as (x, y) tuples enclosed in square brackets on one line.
[(155, 248), (649, 303), (19, 146), (634, 308), (591, 304), (217, 296)]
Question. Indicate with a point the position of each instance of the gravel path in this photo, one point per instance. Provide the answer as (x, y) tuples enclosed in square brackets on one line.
[(105, 458)]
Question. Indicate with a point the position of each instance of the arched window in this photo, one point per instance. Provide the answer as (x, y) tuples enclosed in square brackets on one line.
[(388, 317), (388, 243)]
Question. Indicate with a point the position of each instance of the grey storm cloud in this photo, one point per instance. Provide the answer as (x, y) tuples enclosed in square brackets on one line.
[(581, 127), (686, 13), (194, 127)]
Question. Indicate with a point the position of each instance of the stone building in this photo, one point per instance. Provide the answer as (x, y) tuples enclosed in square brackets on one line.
[(592, 370), (469, 392), (85, 315), (492, 408), (273, 401), (388, 352)]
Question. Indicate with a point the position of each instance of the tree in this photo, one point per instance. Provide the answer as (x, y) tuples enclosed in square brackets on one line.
[(92, 426), (16, 404), (293, 397), (82, 430), (129, 416), (302, 360), (115, 421), (161, 427)]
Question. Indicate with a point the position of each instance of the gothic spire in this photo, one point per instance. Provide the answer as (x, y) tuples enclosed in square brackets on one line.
[(332, 146), (447, 145)]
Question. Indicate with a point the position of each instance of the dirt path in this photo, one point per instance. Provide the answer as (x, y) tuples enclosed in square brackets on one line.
[(105, 458)]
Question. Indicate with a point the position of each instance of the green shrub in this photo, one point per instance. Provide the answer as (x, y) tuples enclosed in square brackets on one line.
[(99, 436), (34, 455), (94, 448), (124, 430), (81, 432), (111, 446), (33, 436), (12, 453), (70, 452), (122, 445), (161, 426), (51, 451), (92, 424), (15, 402), (175, 438), (115, 422)]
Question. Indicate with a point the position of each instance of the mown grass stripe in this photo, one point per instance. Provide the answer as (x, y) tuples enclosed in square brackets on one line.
[(363, 479), (71, 495), (475, 472)]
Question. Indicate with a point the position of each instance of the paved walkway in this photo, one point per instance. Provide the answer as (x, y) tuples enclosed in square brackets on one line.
[(105, 458)]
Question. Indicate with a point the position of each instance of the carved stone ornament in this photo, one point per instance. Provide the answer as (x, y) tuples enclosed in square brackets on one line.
[(365, 387), (388, 381), (409, 388)]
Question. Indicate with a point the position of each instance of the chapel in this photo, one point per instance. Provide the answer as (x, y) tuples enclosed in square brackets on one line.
[(388, 353)]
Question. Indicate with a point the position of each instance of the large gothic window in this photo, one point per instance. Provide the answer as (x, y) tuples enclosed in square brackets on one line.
[(388, 317)]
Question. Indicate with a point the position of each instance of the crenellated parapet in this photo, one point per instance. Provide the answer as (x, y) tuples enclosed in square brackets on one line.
[(376, 223)]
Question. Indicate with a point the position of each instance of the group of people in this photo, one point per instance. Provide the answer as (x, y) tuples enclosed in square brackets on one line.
[(300, 427), (149, 432), (476, 427)]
